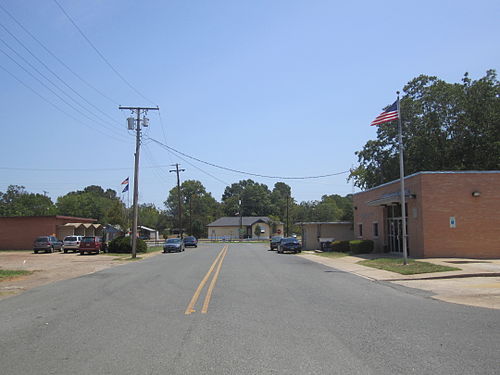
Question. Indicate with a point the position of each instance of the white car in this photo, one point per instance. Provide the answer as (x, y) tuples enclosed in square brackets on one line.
[(72, 243)]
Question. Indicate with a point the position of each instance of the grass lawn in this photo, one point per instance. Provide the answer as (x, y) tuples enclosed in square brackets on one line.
[(413, 267), (7, 274), (332, 254)]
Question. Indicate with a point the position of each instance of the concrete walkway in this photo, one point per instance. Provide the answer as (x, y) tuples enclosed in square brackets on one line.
[(476, 284)]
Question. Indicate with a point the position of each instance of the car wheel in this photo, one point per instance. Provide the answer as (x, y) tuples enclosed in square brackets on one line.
[(65, 251), (98, 251), (35, 251), (82, 252), (52, 249)]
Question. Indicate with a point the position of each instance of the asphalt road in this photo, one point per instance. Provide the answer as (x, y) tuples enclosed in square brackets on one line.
[(267, 314)]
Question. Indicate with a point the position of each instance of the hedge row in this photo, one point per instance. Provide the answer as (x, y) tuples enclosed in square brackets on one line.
[(123, 245), (354, 247)]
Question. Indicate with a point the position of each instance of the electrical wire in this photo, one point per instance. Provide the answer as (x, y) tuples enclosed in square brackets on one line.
[(100, 54), (125, 140), (57, 58), (55, 75), (247, 173)]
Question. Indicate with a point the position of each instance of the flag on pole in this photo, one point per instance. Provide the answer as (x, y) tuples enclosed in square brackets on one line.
[(125, 181), (390, 114), (125, 189)]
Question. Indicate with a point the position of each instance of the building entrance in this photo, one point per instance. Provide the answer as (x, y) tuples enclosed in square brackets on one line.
[(395, 229)]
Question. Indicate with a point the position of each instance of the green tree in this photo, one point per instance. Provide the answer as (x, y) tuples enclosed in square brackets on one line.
[(198, 206), (16, 201), (446, 126), (255, 199), (117, 215), (257, 231), (92, 202)]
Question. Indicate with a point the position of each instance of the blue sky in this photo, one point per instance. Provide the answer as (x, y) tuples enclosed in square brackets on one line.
[(282, 88)]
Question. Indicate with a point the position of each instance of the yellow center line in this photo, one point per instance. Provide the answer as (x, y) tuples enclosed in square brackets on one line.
[(212, 284), (190, 308)]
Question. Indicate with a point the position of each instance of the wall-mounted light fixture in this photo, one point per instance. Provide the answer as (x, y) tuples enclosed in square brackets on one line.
[(476, 193)]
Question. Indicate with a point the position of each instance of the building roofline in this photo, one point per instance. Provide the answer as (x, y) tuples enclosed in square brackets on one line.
[(53, 216), (427, 172), (324, 222)]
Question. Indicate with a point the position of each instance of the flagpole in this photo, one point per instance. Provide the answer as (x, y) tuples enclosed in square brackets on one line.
[(402, 182)]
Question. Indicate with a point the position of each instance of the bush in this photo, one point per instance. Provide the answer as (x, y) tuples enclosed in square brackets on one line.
[(361, 246), (340, 246), (123, 245)]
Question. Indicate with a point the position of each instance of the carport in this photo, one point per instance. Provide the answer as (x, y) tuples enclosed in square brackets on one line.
[(79, 229)]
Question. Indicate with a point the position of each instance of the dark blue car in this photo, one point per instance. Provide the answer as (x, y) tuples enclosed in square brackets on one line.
[(289, 244), (190, 241)]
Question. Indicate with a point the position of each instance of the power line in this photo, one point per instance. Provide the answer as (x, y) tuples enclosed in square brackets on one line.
[(54, 74), (55, 105), (247, 173), (57, 58), (100, 54), (112, 129)]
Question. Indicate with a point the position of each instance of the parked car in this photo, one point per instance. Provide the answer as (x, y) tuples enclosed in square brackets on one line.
[(72, 243), (47, 244), (274, 242), (190, 241), (91, 244), (173, 244), (289, 244)]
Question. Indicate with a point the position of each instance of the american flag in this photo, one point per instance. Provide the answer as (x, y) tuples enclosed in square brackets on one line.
[(390, 114), (125, 181)]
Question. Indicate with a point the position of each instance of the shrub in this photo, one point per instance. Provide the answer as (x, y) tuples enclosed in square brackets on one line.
[(123, 245), (361, 246), (340, 246)]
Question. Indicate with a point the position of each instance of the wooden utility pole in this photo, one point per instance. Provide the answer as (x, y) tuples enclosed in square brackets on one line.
[(177, 170), (137, 111)]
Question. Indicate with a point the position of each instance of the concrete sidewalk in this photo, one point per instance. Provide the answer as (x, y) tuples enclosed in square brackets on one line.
[(476, 284)]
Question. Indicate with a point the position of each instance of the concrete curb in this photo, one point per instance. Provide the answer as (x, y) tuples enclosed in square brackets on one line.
[(459, 276)]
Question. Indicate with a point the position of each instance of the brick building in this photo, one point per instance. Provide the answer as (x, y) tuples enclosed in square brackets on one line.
[(449, 214), (19, 232)]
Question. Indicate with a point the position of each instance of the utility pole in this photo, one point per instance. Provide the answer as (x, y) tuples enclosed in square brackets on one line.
[(145, 122), (241, 220), (177, 170), (287, 198)]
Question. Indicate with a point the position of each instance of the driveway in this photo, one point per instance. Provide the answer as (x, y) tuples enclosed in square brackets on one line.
[(48, 268)]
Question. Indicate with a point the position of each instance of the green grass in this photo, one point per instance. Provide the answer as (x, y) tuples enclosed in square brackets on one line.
[(5, 274), (413, 267), (332, 254)]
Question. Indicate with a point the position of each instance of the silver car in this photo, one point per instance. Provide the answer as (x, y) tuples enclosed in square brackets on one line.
[(72, 243), (47, 244)]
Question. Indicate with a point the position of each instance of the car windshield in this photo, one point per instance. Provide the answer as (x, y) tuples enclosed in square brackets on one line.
[(42, 239), (276, 239), (290, 240), (189, 238), (174, 240), (71, 238), (88, 239)]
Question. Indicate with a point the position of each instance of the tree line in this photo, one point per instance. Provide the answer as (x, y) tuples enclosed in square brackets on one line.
[(198, 207)]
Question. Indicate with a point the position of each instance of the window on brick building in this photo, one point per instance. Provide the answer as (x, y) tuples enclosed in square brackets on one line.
[(375, 230), (360, 230)]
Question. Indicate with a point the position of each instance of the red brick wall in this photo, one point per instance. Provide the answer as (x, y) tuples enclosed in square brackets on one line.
[(367, 215), (18, 233), (477, 232), (440, 196)]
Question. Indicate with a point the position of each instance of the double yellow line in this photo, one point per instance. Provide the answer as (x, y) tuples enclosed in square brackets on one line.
[(217, 263)]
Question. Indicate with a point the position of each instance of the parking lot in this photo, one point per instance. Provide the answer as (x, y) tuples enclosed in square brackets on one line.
[(49, 267)]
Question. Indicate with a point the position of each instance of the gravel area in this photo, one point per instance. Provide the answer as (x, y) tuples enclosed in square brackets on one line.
[(48, 268)]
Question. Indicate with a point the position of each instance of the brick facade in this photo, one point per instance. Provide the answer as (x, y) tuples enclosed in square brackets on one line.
[(436, 201), (19, 232)]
